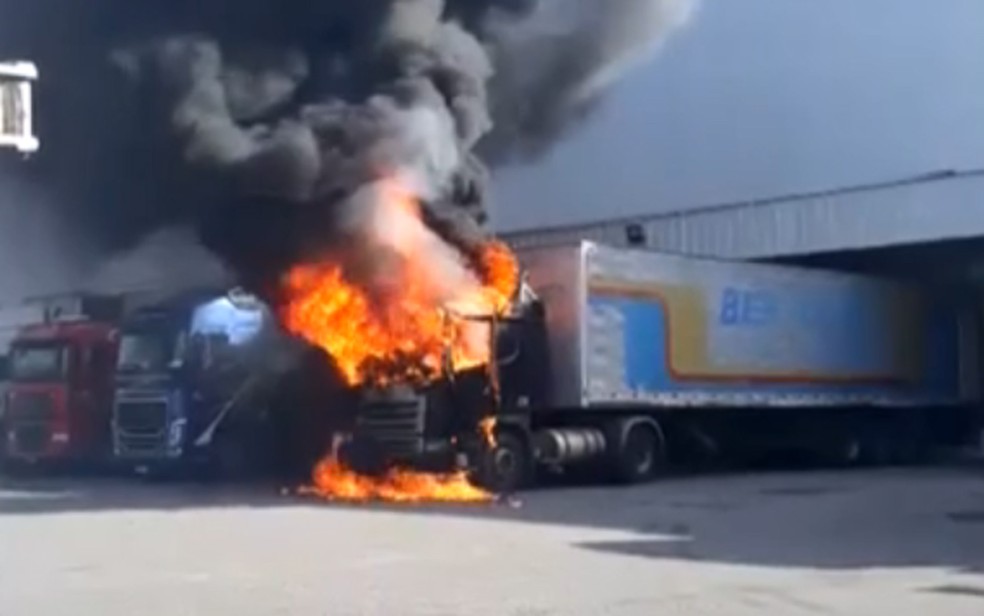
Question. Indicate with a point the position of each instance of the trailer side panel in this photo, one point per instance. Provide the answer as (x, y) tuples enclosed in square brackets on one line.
[(669, 330)]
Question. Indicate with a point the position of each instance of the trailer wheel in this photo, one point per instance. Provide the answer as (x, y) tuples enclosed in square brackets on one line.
[(639, 453), (507, 467)]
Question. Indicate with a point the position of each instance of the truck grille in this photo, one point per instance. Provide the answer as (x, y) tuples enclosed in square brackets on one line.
[(31, 439), (396, 426), (146, 418), (141, 427), (37, 408)]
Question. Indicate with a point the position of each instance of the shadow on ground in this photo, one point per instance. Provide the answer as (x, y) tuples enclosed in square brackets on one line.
[(928, 517)]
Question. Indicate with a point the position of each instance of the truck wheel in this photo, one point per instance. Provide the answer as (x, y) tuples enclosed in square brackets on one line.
[(506, 467), (639, 454)]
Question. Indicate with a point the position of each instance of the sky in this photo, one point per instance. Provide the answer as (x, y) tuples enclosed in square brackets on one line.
[(764, 97)]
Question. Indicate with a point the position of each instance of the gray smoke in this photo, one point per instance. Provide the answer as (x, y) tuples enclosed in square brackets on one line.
[(39, 255), (556, 63)]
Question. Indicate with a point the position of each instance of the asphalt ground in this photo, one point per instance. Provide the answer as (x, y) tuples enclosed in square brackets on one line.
[(899, 541)]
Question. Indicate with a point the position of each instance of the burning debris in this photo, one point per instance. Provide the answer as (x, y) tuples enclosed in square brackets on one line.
[(329, 153)]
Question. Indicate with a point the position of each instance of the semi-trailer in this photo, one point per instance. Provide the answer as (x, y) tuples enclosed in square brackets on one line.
[(619, 359)]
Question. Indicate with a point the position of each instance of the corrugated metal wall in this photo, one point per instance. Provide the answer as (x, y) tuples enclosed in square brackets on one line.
[(940, 206)]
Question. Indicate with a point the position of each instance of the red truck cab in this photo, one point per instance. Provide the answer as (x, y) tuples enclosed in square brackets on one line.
[(59, 394)]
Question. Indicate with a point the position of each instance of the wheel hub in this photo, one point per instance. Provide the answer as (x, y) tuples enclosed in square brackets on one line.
[(642, 452), (504, 461)]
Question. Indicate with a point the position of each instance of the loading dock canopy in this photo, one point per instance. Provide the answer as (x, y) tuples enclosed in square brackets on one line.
[(935, 207)]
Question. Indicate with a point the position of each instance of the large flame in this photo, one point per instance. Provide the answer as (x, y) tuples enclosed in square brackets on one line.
[(400, 316), (409, 324)]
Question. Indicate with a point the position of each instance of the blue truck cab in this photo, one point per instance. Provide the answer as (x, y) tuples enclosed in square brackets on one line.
[(185, 390)]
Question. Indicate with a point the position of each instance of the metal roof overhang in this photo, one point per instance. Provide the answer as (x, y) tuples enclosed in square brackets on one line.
[(927, 208)]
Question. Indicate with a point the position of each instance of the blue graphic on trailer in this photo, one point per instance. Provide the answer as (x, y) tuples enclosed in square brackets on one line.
[(842, 336), (826, 332)]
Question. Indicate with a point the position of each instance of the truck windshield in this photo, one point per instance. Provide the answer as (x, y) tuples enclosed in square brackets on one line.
[(37, 362), (143, 351)]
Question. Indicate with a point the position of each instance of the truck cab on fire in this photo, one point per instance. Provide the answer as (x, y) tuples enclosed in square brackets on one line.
[(60, 385), (478, 420), (185, 392)]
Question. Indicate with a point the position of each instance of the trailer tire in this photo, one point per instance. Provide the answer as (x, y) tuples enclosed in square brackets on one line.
[(639, 451), (507, 467)]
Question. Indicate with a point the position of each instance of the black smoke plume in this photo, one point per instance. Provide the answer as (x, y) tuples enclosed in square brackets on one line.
[(260, 122)]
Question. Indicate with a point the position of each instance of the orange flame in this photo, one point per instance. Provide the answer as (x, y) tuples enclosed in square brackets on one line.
[(487, 429), (335, 482), (409, 325), (402, 323)]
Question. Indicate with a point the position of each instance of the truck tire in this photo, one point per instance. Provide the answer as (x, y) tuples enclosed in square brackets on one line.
[(507, 467), (639, 452)]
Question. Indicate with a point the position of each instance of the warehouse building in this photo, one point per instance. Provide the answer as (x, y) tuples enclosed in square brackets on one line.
[(925, 221)]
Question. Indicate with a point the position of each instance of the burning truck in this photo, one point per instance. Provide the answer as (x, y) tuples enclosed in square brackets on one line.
[(613, 359)]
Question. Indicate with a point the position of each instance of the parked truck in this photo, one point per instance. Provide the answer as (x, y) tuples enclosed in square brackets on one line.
[(59, 381), (193, 381), (619, 359)]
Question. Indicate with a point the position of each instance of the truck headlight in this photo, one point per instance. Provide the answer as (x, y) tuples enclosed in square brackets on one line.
[(175, 435)]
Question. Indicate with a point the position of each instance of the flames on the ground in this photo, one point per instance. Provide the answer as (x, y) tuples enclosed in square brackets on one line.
[(336, 482), (402, 319)]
